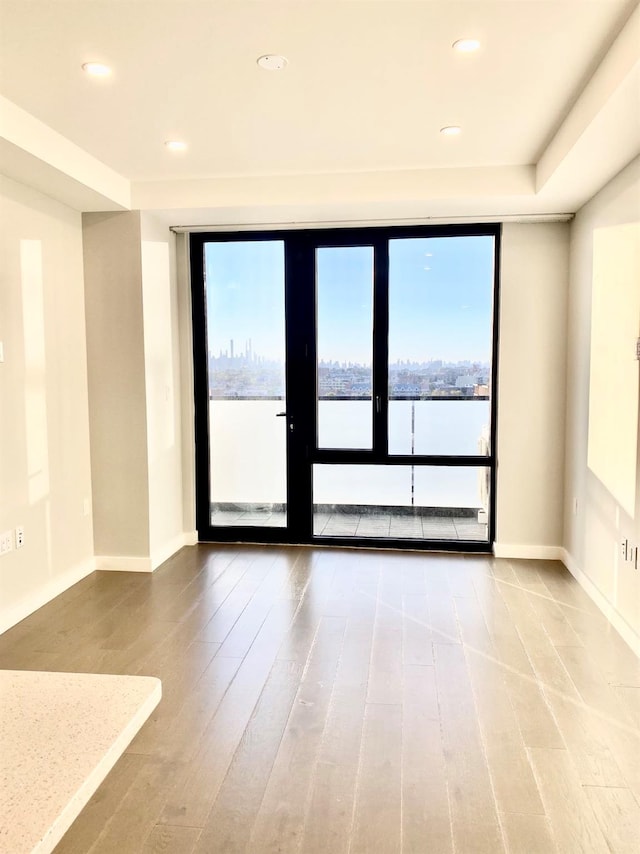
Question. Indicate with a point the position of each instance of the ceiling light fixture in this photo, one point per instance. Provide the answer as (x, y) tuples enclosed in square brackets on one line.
[(272, 62), (466, 45), (96, 69), (451, 130), (175, 145)]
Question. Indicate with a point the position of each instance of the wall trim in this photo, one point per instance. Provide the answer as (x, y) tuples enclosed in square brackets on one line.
[(626, 632), (191, 538), (14, 614), (515, 550), (170, 548), (123, 563)]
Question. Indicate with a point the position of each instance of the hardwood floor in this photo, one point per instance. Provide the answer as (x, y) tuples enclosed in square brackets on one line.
[(354, 702)]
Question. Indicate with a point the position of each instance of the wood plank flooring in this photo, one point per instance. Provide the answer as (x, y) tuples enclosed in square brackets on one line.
[(321, 701)]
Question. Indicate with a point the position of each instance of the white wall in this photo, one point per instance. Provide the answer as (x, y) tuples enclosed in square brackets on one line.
[(187, 408), (45, 474), (162, 380), (117, 401), (531, 389), (595, 528), (134, 389)]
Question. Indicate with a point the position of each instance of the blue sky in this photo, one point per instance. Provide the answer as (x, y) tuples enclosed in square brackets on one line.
[(344, 285), (245, 296), (440, 299)]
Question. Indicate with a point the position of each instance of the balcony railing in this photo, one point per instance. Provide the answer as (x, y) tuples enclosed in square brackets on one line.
[(248, 452)]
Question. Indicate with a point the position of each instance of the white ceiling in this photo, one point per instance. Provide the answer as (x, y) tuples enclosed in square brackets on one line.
[(367, 88)]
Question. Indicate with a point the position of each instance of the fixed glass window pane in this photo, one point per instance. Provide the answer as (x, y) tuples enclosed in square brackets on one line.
[(440, 344), (344, 329), (401, 502), (246, 362)]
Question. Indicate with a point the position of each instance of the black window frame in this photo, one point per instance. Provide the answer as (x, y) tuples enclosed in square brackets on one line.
[(301, 374)]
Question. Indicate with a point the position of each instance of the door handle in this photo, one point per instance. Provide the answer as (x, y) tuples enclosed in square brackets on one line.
[(283, 415)]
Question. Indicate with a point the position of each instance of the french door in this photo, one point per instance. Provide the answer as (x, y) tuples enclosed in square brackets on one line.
[(345, 386)]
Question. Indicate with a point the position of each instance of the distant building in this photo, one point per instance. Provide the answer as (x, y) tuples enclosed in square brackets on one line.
[(467, 381)]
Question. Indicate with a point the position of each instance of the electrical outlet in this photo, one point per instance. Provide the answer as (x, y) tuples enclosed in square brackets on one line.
[(6, 542), (19, 537)]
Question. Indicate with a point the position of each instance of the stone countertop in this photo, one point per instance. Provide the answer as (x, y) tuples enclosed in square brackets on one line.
[(60, 735)]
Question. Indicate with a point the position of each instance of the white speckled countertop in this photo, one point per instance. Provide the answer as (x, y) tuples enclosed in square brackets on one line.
[(60, 735)]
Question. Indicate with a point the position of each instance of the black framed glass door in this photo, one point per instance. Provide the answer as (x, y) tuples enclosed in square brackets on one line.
[(345, 386)]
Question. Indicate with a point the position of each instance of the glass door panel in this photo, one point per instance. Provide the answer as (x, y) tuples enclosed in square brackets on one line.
[(344, 346), (440, 345), (245, 329)]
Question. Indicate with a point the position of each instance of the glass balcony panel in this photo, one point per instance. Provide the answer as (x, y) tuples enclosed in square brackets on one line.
[(439, 426), (401, 502)]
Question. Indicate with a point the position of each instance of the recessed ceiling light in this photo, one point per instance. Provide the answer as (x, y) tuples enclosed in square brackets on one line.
[(466, 45), (451, 130), (96, 69), (175, 145), (272, 62)]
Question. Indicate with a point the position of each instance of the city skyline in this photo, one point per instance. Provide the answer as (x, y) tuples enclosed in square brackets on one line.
[(232, 353), (246, 374)]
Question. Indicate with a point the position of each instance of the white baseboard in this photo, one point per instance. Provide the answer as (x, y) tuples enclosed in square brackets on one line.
[(513, 550), (170, 548), (626, 632), (15, 613), (123, 563), (191, 538)]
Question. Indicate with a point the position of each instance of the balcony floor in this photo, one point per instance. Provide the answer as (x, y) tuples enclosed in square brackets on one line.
[(371, 524)]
